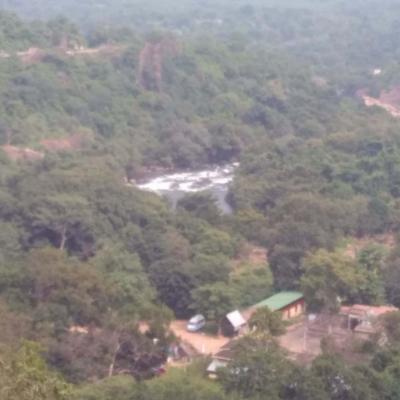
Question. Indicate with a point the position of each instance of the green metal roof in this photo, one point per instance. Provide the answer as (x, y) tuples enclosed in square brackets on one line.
[(280, 300)]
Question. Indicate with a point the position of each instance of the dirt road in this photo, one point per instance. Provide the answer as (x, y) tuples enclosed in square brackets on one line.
[(300, 346), (203, 343)]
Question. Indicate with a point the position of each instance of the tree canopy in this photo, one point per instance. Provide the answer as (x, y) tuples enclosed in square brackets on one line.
[(110, 94)]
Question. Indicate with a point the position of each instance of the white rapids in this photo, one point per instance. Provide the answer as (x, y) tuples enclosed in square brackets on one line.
[(174, 186)]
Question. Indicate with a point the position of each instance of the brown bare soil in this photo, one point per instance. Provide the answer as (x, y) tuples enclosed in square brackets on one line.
[(79, 329), (202, 343), (258, 255), (35, 55), (389, 100), (73, 142), (250, 255), (388, 240), (391, 96), (298, 344), (22, 154), (107, 49), (32, 55), (302, 341)]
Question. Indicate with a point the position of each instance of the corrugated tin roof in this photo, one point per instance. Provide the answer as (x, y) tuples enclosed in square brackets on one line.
[(280, 300), (215, 365), (236, 319), (225, 353), (365, 310)]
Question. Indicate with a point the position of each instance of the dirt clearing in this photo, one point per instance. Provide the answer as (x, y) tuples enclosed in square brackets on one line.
[(204, 344)]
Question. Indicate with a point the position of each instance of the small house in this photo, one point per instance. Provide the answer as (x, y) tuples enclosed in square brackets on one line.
[(362, 319), (220, 359), (290, 304), (233, 324)]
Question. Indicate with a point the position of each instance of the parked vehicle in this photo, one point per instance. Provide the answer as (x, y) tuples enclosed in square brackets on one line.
[(158, 371), (196, 323)]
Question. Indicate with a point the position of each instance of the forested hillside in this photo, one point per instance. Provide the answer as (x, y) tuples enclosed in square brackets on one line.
[(97, 94)]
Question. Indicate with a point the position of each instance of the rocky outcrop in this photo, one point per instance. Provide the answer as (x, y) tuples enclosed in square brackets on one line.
[(73, 142), (151, 62), (388, 100), (32, 55), (36, 55), (107, 50), (22, 154)]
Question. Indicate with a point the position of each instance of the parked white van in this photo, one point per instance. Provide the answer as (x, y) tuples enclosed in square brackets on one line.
[(196, 323)]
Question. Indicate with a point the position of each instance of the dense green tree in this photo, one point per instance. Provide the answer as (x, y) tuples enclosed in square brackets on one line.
[(121, 387), (9, 241), (391, 275), (67, 218), (214, 300), (264, 321), (342, 382), (201, 205), (258, 368), (133, 292), (16, 326), (178, 384), (209, 269), (372, 260), (302, 384), (329, 279), (98, 353), (174, 284), (253, 283), (55, 290), (262, 83), (25, 376)]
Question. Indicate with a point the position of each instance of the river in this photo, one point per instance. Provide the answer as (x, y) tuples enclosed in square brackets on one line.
[(176, 185)]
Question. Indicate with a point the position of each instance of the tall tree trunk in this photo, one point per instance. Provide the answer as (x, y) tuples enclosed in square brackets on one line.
[(63, 238), (8, 136), (112, 365)]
